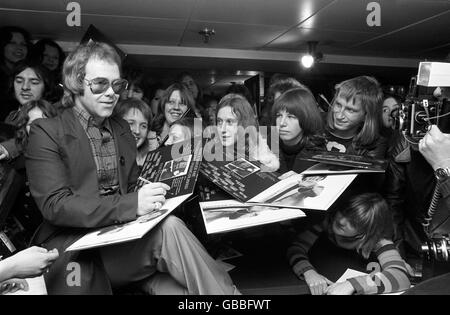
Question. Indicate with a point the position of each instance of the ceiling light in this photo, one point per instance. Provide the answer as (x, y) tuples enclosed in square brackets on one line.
[(308, 60)]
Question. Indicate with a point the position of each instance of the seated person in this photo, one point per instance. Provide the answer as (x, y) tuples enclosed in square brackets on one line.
[(28, 263), (237, 134), (354, 237), (138, 115), (82, 171), (353, 121), (299, 126)]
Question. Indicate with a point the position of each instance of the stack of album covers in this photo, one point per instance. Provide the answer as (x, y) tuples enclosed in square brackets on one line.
[(178, 166)]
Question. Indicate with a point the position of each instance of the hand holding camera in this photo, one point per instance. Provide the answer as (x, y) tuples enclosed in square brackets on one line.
[(435, 147)]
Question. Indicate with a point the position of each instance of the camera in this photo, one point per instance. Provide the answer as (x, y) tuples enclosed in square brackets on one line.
[(437, 249), (420, 108), (417, 113)]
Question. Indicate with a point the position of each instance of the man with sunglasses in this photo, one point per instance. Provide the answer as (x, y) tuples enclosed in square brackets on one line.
[(82, 170)]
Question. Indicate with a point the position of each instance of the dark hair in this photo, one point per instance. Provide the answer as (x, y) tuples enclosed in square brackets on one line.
[(132, 103), (181, 76), (186, 97), (278, 83), (6, 34), (74, 68), (396, 97), (301, 103), (207, 100), (21, 119), (39, 48), (241, 90), (154, 88), (370, 215), (282, 84), (136, 77), (366, 90), (41, 72)]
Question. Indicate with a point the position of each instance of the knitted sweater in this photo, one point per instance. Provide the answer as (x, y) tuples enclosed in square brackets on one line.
[(391, 276)]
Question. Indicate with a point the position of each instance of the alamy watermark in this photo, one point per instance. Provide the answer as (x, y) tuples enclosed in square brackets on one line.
[(374, 17), (250, 142), (74, 17), (73, 277)]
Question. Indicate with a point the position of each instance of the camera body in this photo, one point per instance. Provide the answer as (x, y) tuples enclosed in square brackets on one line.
[(417, 113), (421, 108)]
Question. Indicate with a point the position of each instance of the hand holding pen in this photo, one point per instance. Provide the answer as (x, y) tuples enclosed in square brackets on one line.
[(151, 196)]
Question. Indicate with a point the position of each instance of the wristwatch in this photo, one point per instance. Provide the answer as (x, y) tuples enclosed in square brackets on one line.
[(442, 174)]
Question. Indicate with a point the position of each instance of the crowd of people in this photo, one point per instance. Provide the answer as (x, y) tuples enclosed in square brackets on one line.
[(83, 131)]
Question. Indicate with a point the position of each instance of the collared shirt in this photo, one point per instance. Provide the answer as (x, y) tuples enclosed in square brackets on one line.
[(103, 148)]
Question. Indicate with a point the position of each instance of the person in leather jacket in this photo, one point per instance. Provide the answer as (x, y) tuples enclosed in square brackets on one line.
[(411, 178)]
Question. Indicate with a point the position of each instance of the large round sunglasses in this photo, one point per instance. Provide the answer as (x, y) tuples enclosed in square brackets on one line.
[(101, 85)]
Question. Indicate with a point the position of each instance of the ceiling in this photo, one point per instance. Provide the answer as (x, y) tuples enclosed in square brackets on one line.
[(266, 36)]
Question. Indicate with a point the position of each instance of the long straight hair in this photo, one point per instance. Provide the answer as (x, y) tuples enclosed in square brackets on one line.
[(370, 215), (301, 103), (241, 108), (21, 119), (186, 98), (367, 91), (248, 131)]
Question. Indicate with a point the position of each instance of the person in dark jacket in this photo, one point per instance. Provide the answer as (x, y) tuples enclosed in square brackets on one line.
[(82, 171), (411, 180), (300, 127), (353, 121)]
